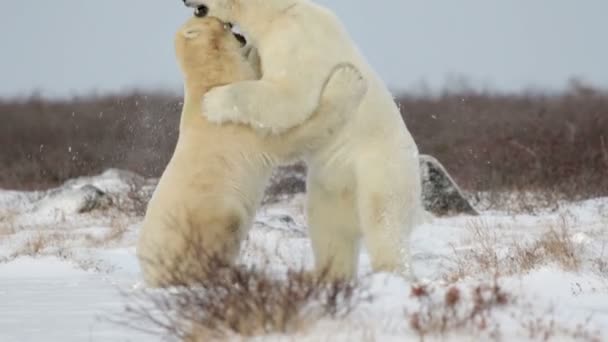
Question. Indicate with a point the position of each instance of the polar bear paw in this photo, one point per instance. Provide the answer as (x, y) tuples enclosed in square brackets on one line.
[(346, 83), (219, 106)]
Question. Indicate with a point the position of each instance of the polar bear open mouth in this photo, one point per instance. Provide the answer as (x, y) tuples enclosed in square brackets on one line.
[(240, 38), (238, 34)]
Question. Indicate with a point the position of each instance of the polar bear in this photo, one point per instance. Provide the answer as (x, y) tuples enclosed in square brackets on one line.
[(208, 194), (365, 182)]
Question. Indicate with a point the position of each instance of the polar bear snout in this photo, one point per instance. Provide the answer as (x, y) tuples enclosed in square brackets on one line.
[(201, 11), (194, 3)]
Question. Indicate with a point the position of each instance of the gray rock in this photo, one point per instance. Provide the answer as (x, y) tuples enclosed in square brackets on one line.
[(73, 200), (440, 194), (123, 190), (285, 181)]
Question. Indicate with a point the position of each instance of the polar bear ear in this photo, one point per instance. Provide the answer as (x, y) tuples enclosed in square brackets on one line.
[(191, 33)]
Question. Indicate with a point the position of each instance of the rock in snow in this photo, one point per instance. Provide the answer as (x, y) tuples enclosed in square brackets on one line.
[(68, 200), (440, 194)]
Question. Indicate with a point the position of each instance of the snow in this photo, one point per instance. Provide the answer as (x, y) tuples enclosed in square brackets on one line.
[(71, 286)]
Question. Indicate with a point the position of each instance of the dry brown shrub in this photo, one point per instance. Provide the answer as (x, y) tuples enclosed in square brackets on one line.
[(44, 142), (207, 297), (456, 310), (222, 300), (553, 145)]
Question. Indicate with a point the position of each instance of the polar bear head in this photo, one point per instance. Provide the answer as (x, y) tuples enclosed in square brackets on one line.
[(237, 11), (209, 52), (223, 9)]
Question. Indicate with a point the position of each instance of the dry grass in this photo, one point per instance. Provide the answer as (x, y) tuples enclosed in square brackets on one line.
[(34, 245), (481, 256), (547, 329), (58, 244), (600, 263), (555, 246), (39, 242), (118, 227), (7, 223), (6, 230)]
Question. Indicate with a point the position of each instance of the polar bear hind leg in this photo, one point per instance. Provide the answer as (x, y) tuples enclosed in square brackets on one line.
[(334, 231), (388, 207)]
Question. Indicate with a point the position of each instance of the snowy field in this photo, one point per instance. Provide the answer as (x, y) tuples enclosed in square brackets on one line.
[(498, 276)]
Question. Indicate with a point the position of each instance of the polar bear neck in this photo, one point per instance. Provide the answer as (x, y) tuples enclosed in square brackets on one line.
[(192, 108)]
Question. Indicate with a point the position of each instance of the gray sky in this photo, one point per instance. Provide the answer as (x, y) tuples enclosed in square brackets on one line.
[(65, 47)]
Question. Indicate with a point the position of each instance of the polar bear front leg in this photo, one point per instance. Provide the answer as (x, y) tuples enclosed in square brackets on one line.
[(341, 97), (269, 107)]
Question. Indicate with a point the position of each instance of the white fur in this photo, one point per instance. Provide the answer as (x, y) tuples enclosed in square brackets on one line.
[(208, 194), (365, 182)]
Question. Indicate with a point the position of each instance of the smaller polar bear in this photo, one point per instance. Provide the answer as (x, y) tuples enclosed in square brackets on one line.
[(208, 194), (364, 183)]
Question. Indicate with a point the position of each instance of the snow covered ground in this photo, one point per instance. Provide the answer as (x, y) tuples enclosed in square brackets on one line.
[(62, 272)]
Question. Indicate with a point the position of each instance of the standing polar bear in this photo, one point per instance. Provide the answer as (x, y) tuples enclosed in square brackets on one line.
[(365, 181), (208, 194)]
